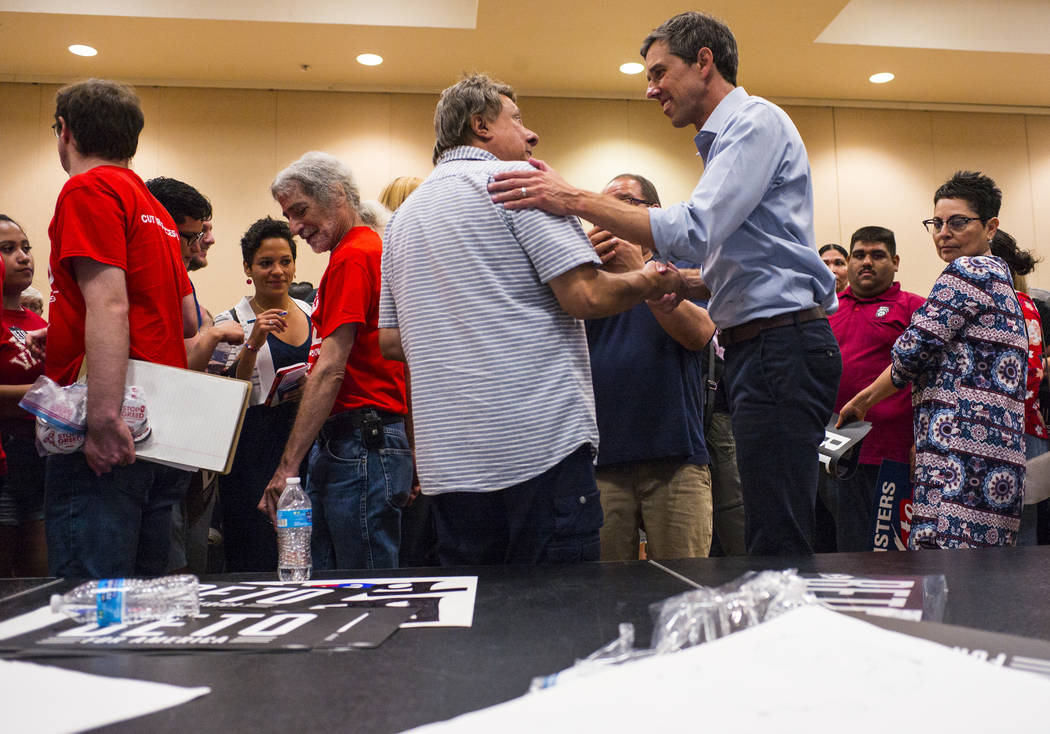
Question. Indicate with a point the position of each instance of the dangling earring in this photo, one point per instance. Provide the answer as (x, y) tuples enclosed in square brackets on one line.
[(249, 281)]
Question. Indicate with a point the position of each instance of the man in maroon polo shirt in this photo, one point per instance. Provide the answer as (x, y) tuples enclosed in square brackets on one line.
[(873, 311)]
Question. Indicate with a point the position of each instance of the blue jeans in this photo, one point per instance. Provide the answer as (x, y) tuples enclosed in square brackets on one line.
[(357, 493), (111, 526), (554, 517), (782, 386)]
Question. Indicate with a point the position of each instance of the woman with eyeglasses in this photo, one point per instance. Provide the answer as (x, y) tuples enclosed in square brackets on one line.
[(965, 354), (277, 334), (23, 549)]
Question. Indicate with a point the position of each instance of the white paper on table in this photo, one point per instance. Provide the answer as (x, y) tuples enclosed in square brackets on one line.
[(811, 670), (87, 701)]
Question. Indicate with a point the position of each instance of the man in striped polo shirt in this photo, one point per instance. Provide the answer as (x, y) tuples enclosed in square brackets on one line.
[(485, 304)]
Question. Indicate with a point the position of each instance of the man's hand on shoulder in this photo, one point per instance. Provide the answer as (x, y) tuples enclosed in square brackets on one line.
[(541, 188)]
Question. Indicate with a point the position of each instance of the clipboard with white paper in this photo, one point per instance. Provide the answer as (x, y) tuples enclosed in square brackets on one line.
[(196, 417)]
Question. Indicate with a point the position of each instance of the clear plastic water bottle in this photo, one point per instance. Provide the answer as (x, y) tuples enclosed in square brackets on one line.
[(294, 527), (124, 601)]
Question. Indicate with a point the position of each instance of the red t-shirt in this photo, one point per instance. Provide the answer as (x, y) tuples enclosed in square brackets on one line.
[(1033, 418), (349, 294), (108, 215), (866, 330), (17, 364)]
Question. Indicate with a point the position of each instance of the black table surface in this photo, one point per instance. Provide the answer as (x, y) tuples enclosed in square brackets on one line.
[(528, 621)]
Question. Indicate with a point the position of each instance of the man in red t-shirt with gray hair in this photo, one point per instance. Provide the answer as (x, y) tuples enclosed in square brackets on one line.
[(354, 402), (118, 290)]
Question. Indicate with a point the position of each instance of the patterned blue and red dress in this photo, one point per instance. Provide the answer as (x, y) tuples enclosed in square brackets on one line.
[(965, 355)]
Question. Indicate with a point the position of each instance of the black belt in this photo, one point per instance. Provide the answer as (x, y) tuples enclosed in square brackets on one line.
[(357, 417), (751, 329)]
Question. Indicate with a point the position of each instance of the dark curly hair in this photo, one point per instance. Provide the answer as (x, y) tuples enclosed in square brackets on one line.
[(975, 188), (264, 229), (179, 199)]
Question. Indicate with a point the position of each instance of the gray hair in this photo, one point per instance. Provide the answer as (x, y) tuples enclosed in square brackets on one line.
[(375, 215), (31, 292), (476, 94), (320, 176)]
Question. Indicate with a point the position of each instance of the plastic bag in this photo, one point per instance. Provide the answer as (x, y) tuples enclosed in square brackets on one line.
[(61, 415), (695, 617)]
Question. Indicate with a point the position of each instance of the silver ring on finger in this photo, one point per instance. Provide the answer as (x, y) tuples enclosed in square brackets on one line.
[(524, 193)]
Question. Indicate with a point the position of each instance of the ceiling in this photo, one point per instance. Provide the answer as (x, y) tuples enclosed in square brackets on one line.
[(569, 48)]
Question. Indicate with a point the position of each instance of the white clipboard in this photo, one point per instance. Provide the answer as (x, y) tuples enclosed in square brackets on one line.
[(195, 417)]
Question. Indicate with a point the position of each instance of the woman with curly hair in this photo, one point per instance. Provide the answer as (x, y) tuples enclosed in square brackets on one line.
[(277, 333)]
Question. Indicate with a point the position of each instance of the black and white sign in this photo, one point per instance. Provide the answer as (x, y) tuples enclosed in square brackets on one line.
[(840, 449), (319, 614)]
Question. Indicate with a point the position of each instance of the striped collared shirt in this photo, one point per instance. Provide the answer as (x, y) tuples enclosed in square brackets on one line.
[(500, 375)]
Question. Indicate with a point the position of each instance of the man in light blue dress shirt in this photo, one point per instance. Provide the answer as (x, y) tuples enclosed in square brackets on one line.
[(749, 222)]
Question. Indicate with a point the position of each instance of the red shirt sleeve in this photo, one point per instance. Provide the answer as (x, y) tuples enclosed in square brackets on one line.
[(89, 218), (349, 295)]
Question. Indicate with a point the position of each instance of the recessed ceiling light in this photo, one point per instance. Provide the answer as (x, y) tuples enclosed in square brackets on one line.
[(632, 67), (881, 78), (82, 50), (370, 59)]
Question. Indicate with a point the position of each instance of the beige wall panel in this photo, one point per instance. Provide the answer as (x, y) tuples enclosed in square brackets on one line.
[(996, 145), (230, 162), (816, 125), (585, 140), (353, 127), (147, 157), (411, 139), (33, 176), (886, 177), (1038, 129)]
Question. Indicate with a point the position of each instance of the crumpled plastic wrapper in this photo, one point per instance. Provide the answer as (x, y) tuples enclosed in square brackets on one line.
[(698, 616)]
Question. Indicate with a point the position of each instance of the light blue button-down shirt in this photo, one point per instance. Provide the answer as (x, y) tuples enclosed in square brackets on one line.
[(749, 221)]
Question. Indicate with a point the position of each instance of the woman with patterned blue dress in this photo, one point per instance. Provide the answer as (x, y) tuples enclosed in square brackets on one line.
[(965, 355)]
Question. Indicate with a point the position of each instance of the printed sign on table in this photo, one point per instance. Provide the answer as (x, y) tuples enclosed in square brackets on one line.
[(262, 615)]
